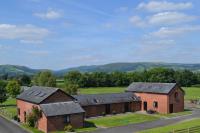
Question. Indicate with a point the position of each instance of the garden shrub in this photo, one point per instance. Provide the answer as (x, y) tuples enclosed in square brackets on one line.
[(68, 128)]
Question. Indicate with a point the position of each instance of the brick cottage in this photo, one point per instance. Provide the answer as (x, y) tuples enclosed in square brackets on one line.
[(59, 109)]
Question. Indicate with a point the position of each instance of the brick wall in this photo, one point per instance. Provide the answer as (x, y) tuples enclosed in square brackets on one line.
[(57, 123), (94, 110), (117, 108), (150, 98), (135, 106), (24, 106), (178, 102)]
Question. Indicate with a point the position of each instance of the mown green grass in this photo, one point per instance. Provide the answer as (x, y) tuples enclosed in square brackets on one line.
[(33, 130), (9, 102), (99, 90), (167, 129), (9, 109), (123, 119), (186, 112), (192, 93)]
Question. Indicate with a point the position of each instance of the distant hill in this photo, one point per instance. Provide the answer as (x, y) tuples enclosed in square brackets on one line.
[(126, 67), (13, 70)]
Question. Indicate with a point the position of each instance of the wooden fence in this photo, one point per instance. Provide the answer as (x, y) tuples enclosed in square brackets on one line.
[(195, 129)]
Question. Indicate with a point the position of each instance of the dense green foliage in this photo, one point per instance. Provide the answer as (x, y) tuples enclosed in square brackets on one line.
[(33, 117), (103, 79), (3, 95), (13, 88), (71, 89), (24, 80), (45, 78)]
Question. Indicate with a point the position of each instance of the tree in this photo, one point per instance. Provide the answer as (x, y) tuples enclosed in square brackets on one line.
[(73, 77), (3, 95), (186, 78), (25, 80), (13, 88), (45, 78), (71, 89), (161, 75)]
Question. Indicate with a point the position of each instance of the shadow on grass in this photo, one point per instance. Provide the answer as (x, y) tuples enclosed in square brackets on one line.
[(88, 124), (8, 105), (187, 109)]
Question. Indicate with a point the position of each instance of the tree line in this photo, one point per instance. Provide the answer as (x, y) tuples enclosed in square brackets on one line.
[(75, 79), (101, 79)]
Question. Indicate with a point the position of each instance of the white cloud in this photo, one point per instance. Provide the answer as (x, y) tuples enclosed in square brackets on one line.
[(50, 14), (24, 32), (168, 32), (138, 21), (163, 18), (157, 6), (39, 53), (31, 41), (170, 18)]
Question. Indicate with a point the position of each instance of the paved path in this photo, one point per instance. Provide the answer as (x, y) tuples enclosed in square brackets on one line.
[(9, 127), (133, 128)]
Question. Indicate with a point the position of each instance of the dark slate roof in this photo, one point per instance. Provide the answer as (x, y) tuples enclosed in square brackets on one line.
[(96, 99), (163, 88), (61, 108), (36, 94)]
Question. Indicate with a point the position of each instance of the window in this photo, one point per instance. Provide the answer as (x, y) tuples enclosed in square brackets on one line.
[(176, 95), (24, 116), (67, 119), (155, 104), (18, 111)]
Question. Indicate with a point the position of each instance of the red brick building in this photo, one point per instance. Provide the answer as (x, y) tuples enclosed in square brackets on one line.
[(103, 104), (59, 109), (160, 97)]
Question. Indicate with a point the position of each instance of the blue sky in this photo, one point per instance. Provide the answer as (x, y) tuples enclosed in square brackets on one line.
[(57, 34)]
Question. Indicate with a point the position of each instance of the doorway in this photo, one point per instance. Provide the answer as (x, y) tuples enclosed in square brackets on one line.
[(145, 106), (171, 108), (126, 107), (107, 108)]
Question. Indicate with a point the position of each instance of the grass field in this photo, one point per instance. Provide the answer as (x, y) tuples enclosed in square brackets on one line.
[(192, 93), (98, 90), (167, 129), (122, 119), (186, 112)]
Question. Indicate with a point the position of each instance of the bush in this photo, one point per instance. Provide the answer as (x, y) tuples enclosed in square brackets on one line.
[(31, 120), (103, 113), (68, 128), (114, 112), (151, 111), (16, 118)]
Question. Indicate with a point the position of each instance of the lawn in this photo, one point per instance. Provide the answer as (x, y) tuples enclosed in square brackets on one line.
[(167, 129), (9, 108), (99, 90), (186, 112), (192, 93), (121, 119), (10, 102), (34, 130)]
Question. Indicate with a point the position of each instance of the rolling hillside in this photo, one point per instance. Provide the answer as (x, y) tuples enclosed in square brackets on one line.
[(13, 70)]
